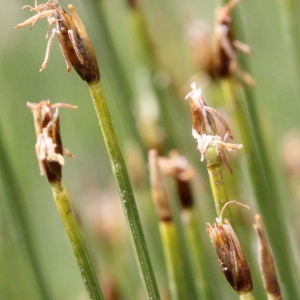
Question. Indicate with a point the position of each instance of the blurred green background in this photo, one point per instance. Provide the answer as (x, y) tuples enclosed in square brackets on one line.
[(145, 91)]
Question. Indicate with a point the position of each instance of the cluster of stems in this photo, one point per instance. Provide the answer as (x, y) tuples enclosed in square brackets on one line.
[(79, 54)]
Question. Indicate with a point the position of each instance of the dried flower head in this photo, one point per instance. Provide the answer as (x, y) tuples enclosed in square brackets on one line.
[(178, 167), (226, 46), (230, 255), (159, 190), (204, 129), (219, 58), (73, 39), (266, 262), (48, 147)]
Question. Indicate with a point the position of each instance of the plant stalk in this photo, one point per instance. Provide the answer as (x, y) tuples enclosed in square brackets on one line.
[(63, 205), (125, 190), (173, 260), (199, 266), (216, 179)]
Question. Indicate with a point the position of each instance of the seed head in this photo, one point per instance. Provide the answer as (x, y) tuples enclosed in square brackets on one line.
[(49, 147), (178, 167), (73, 39), (204, 129), (159, 189), (266, 262), (226, 46), (218, 58), (230, 255)]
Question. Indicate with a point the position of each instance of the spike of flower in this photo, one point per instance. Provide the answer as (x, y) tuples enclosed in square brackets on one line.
[(231, 257), (73, 39), (205, 132), (178, 167), (266, 262), (225, 52), (49, 147), (159, 189)]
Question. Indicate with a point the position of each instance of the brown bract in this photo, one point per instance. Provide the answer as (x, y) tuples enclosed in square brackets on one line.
[(230, 255), (73, 39), (49, 147), (266, 263)]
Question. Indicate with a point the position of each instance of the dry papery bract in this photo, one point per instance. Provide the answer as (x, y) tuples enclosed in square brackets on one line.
[(204, 129), (266, 263), (230, 255), (49, 147), (73, 39)]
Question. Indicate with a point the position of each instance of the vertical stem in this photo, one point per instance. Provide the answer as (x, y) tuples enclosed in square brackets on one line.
[(217, 186), (85, 266), (216, 179), (200, 266), (125, 190), (173, 260)]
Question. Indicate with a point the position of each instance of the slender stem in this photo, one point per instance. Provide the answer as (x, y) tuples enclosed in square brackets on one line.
[(85, 266), (173, 260), (125, 190), (291, 32), (216, 179), (200, 266), (119, 75)]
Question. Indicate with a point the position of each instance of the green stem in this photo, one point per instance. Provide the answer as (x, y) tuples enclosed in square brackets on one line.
[(263, 181), (291, 32), (200, 266), (119, 75), (173, 260), (216, 179), (85, 266), (125, 190)]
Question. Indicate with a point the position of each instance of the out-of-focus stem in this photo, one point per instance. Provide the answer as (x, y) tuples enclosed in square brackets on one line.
[(125, 189), (199, 266), (173, 259), (177, 263), (291, 31), (63, 205)]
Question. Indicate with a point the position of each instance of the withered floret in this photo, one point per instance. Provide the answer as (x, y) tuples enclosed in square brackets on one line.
[(73, 39), (204, 129), (231, 257), (49, 147)]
